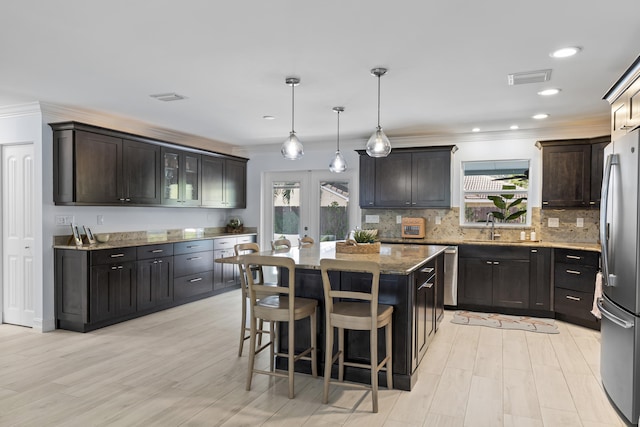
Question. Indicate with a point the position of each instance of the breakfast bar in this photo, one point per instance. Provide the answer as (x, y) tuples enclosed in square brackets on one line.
[(411, 281)]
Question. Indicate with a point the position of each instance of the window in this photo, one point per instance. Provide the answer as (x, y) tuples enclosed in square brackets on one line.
[(500, 188)]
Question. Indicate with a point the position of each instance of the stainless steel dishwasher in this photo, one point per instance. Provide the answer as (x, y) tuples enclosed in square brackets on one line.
[(451, 276)]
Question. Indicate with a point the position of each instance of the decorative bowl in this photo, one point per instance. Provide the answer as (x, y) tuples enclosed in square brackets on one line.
[(102, 238)]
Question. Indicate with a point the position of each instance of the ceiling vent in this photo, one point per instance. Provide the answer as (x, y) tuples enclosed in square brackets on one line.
[(527, 77), (172, 96)]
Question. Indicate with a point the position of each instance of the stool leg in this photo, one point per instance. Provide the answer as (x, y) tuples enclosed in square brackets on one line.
[(243, 326), (374, 369), (340, 354), (260, 328), (314, 346), (389, 354), (252, 351), (273, 338), (291, 356), (328, 356)]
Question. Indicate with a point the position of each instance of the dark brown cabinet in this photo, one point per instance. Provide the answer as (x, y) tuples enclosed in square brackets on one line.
[(574, 281), (154, 276), (97, 167), (113, 291), (181, 179), (193, 269), (624, 97), (101, 169), (407, 178), (572, 171), (540, 279), (223, 183), (494, 276), (424, 310)]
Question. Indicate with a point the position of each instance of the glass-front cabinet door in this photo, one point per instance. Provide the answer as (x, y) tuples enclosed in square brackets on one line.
[(181, 178)]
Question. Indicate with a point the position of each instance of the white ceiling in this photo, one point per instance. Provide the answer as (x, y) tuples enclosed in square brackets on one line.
[(448, 62)]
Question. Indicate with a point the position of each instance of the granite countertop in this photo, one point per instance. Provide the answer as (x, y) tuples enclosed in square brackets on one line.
[(149, 240), (595, 247), (393, 258)]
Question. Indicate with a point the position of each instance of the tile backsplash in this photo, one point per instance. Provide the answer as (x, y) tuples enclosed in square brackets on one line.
[(444, 225)]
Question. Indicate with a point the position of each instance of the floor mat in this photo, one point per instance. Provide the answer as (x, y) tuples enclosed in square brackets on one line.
[(504, 321)]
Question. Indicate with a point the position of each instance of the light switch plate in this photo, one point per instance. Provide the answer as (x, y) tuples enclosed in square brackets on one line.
[(579, 222), (438, 220), (398, 219), (372, 219), (554, 222)]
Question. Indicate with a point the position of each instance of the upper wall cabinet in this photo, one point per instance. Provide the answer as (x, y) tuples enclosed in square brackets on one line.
[(224, 183), (624, 97), (407, 178), (98, 166), (572, 172)]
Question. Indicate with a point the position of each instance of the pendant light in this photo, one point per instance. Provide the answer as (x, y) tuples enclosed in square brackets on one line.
[(292, 148), (378, 144), (338, 164)]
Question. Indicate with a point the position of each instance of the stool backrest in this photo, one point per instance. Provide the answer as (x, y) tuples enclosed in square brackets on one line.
[(260, 261), (243, 249), (305, 241), (280, 244)]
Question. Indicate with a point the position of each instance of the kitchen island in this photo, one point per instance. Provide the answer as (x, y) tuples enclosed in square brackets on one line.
[(411, 281)]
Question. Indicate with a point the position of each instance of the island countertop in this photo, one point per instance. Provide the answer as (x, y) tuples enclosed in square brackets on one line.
[(401, 259)]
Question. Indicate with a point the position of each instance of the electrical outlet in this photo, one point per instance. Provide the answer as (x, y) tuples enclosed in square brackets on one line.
[(398, 219), (64, 219), (579, 222), (554, 222), (372, 219), (438, 220)]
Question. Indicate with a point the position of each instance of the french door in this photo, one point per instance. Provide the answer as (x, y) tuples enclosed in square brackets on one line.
[(308, 203)]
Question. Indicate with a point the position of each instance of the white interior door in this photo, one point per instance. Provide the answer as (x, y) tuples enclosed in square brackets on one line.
[(307, 203), (17, 234)]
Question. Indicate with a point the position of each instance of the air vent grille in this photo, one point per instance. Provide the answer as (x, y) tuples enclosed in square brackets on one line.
[(527, 77), (171, 96)]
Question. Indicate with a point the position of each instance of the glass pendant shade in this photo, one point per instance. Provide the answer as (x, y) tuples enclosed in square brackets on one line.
[(378, 144), (292, 148), (338, 164)]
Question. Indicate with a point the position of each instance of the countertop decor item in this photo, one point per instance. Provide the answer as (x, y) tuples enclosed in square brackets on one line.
[(235, 226), (353, 247), (102, 237)]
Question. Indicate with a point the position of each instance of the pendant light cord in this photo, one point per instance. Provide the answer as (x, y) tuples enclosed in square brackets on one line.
[(293, 104), (378, 101), (338, 138)]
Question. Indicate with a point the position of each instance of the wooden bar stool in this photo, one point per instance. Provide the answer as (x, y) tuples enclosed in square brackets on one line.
[(281, 305), (306, 241), (257, 273), (280, 244), (357, 311)]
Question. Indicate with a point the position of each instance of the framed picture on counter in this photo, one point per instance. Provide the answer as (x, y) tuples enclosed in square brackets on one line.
[(90, 237), (76, 235)]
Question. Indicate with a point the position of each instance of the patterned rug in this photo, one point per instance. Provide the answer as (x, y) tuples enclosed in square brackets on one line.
[(503, 321)]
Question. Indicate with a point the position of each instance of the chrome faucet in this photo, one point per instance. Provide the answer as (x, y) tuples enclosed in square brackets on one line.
[(491, 219)]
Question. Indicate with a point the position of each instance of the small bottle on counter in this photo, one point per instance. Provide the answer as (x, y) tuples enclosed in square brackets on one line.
[(523, 235), (533, 236)]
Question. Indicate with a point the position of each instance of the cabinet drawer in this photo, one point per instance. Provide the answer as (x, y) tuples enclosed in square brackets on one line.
[(574, 303), (108, 256), (224, 243), (245, 239), (192, 285), (568, 256), (491, 252), (192, 246), (155, 251), (575, 276), (192, 263)]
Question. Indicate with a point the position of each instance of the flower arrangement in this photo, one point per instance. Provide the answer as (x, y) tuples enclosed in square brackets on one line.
[(234, 225)]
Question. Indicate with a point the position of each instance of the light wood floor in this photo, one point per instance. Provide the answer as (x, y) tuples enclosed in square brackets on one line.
[(180, 368)]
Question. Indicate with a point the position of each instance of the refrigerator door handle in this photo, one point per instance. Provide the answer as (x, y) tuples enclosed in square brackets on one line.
[(609, 278), (615, 319)]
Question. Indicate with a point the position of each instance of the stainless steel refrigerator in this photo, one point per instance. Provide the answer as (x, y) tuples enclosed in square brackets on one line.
[(620, 303)]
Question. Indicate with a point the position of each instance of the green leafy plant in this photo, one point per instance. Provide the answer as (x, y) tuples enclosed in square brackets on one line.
[(509, 209), (364, 236)]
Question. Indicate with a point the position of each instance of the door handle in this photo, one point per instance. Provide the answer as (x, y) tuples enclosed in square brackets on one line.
[(615, 319)]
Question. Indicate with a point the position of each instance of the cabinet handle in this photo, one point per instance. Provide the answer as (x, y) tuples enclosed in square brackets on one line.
[(121, 199), (116, 267), (127, 200), (407, 203), (371, 203), (534, 251), (572, 298), (545, 203), (427, 285), (489, 262), (592, 203), (193, 246), (427, 270), (574, 272), (194, 258), (625, 127), (197, 279), (496, 262), (414, 203), (159, 261), (157, 251), (117, 255), (574, 257)]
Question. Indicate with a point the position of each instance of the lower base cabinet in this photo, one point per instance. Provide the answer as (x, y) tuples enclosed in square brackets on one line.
[(113, 291), (155, 283)]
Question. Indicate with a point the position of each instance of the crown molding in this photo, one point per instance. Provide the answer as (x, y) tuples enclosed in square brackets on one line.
[(20, 110)]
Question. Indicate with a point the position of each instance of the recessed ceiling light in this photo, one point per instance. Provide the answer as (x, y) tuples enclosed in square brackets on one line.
[(475, 130), (268, 117), (540, 116), (565, 52), (514, 127), (549, 92)]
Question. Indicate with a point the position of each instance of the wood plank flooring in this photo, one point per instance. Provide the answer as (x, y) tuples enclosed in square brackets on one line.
[(180, 368)]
